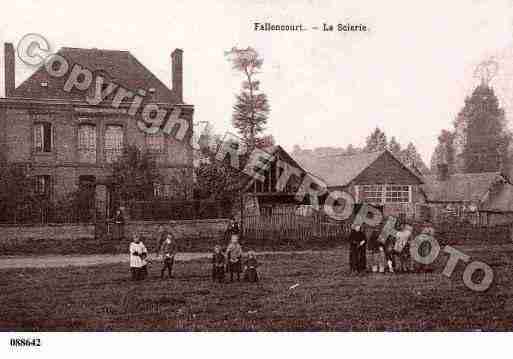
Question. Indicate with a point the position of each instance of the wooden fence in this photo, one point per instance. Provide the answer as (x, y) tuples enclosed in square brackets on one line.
[(289, 227)]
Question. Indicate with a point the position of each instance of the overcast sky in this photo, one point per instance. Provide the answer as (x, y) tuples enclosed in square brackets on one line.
[(408, 75)]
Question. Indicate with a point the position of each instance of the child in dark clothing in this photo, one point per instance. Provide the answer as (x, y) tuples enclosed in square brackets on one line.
[(250, 269), (168, 250), (218, 262), (389, 254)]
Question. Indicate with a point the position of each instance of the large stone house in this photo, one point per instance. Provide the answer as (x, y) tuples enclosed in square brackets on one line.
[(70, 142)]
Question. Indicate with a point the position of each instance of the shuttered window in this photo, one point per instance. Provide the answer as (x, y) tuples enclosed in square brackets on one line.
[(43, 185), (113, 142), (43, 137), (87, 143)]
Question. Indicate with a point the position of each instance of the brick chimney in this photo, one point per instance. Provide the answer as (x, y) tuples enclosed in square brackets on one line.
[(9, 69), (443, 171), (177, 69)]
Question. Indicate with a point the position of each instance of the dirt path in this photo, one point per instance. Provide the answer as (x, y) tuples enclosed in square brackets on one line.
[(53, 261), (50, 261)]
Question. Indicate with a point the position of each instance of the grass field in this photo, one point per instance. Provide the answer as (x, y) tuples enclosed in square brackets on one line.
[(327, 297)]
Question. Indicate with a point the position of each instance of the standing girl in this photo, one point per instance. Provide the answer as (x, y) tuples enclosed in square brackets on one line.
[(138, 254)]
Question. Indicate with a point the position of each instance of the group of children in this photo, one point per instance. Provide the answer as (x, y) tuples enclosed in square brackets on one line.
[(230, 261), (393, 255), (138, 255)]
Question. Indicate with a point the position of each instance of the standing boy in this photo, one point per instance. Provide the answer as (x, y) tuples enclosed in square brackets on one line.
[(218, 263), (168, 252)]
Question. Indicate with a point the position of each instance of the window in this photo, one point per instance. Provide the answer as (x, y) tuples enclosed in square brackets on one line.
[(86, 182), (113, 142), (155, 143), (397, 194), (43, 137), (158, 190), (161, 190), (43, 185), (87, 143), (371, 193), (390, 193)]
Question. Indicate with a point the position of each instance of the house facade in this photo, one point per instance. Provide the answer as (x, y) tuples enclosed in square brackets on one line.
[(482, 198), (70, 140), (377, 178)]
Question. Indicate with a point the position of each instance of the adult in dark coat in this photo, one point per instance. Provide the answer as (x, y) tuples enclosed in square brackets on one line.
[(232, 229), (119, 224), (357, 239), (362, 253)]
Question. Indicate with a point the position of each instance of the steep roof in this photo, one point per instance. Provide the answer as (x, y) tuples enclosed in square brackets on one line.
[(119, 66), (460, 187), (279, 151), (341, 170)]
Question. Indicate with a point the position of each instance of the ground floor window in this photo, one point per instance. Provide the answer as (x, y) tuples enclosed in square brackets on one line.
[(371, 193), (43, 185), (162, 190), (397, 194), (384, 193)]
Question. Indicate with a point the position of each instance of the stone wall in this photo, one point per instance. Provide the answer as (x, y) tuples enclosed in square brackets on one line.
[(53, 231), (205, 228), (190, 229)]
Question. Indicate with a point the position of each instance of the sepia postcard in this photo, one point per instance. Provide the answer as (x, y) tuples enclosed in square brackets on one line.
[(315, 166)]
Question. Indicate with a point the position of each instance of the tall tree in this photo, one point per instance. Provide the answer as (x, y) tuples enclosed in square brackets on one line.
[(265, 141), (394, 146), (251, 109), (134, 175), (444, 152), (16, 188), (486, 147), (411, 157), (377, 141)]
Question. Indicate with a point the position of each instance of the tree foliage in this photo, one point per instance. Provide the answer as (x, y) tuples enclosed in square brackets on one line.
[(377, 141), (134, 175), (444, 152), (251, 108), (394, 146), (16, 186), (487, 141), (411, 157), (215, 179)]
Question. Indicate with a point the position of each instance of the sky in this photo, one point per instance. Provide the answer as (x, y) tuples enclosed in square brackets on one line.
[(409, 74)]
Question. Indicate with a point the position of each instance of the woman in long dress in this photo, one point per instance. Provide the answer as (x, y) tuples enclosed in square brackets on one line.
[(356, 240)]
